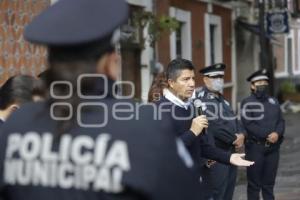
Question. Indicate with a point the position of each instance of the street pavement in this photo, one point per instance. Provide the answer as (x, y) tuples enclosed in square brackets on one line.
[(288, 178)]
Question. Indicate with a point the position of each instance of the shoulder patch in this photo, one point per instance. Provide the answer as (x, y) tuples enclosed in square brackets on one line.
[(272, 101), (201, 94)]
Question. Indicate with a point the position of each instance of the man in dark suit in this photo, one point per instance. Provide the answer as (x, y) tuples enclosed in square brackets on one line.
[(191, 129)]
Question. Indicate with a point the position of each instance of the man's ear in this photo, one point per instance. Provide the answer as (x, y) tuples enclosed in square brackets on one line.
[(252, 86), (13, 107), (170, 83), (109, 65), (102, 64), (205, 80)]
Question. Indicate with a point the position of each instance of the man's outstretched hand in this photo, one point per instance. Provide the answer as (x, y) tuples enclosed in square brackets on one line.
[(237, 160)]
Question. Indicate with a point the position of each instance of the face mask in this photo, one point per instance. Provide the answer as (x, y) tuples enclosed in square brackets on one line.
[(217, 84), (261, 91)]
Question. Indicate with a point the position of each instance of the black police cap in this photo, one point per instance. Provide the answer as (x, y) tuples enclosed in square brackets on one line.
[(213, 70), (76, 22), (261, 74)]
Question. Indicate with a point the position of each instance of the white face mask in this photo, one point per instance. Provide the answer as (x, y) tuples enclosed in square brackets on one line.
[(217, 84)]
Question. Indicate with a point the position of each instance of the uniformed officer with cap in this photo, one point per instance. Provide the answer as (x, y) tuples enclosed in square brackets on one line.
[(262, 119), (225, 128), (76, 145)]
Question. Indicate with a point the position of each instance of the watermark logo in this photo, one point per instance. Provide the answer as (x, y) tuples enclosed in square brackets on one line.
[(125, 110)]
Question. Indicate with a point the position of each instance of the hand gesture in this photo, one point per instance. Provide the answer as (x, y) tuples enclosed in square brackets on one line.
[(273, 137), (237, 160), (239, 142)]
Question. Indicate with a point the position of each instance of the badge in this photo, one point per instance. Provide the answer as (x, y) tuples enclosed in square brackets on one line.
[(272, 101), (211, 96), (201, 94)]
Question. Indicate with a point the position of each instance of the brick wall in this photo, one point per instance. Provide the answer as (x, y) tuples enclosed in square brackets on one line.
[(16, 55)]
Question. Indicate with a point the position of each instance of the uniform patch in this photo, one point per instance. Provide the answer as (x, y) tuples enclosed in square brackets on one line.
[(100, 167), (272, 101), (201, 94)]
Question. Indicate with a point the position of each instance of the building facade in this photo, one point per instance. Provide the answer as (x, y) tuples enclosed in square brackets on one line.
[(206, 36)]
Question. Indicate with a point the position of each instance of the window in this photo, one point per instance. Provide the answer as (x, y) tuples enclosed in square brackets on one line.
[(289, 52), (213, 39), (181, 40), (212, 31), (285, 55)]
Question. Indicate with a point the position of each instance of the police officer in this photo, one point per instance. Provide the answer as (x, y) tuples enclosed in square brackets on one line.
[(177, 100), (80, 144), (265, 126), (224, 127)]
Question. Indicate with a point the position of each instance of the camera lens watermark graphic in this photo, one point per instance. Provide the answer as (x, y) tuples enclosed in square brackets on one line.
[(95, 105)]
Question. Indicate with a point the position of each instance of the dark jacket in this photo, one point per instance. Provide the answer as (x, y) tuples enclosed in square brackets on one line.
[(261, 116), (223, 123), (128, 159), (201, 146)]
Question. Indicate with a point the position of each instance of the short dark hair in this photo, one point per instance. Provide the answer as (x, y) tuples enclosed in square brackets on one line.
[(176, 66), (17, 89)]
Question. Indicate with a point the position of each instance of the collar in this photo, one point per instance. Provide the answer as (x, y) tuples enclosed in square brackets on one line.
[(2, 119), (174, 99)]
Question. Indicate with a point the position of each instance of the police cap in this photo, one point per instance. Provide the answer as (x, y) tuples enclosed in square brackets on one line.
[(213, 70), (258, 75), (76, 22)]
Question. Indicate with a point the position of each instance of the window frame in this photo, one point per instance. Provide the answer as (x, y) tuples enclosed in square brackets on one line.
[(215, 20), (184, 17)]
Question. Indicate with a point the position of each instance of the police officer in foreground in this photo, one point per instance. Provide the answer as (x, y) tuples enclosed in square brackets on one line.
[(224, 127), (262, 119), (77, 145)]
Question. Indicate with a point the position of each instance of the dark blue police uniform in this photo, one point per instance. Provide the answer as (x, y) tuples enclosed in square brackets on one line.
[(105, 154), (200, 147), (221, 177), (262, 116), (223, 125), (121, 160)]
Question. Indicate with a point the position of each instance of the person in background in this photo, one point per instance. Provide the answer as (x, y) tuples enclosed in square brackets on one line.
[(16, 91), (224, 127), (263, 121), (158, 85), (79, 143)]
